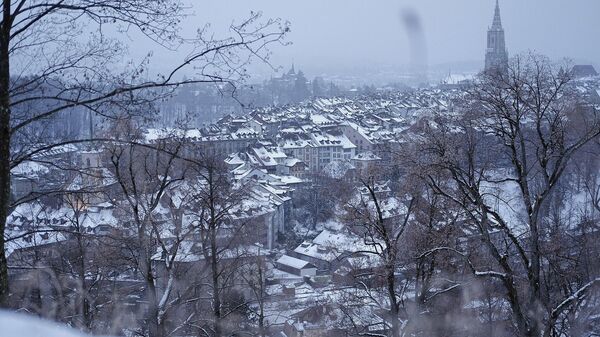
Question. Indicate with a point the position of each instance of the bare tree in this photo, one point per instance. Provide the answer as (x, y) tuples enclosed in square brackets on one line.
[(254, 276), (381, 219), (400, 221), (221, 234), (46, 71), (145, 176), (78, 203), (525, 127)]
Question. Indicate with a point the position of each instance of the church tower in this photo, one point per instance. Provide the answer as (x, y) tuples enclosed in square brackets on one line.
[(496, 56)]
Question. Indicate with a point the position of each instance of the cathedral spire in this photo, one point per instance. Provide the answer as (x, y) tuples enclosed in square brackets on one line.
[(497, 24), (496, 56)]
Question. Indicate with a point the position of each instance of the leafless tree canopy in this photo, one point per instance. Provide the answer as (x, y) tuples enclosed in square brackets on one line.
[(63, 56)]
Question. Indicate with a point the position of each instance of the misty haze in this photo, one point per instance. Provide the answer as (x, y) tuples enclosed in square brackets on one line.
[(267, 168)]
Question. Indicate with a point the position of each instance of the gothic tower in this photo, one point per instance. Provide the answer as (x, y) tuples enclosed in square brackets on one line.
[(496, 56)]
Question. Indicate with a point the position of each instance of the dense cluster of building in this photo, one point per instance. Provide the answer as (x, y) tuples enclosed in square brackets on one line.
[(271, 153)]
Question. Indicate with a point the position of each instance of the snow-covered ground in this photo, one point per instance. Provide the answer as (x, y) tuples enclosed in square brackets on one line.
[(21, 325)]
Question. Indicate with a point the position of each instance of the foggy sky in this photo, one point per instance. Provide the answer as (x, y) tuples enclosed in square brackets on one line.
[(337, 35)]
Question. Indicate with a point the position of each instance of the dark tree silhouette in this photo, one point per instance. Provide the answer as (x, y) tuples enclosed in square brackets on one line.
[(45, 70)]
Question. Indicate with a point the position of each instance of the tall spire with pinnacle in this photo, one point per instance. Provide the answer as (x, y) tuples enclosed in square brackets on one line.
[(496, 56), (497, 24)]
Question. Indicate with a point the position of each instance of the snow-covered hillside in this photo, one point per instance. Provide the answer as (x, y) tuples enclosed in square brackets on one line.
[(14, 324)]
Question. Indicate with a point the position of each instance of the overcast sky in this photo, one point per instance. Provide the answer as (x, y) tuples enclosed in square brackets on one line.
[(343, 34)]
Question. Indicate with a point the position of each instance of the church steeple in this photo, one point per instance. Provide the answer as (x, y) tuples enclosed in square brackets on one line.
[(496, 55), (497, 24)]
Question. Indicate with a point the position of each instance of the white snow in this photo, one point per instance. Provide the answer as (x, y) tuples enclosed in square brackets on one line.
[(293, 262), (29, 169), (14, 324)]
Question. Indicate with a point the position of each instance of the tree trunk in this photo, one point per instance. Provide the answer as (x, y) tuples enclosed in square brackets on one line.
[(215, 281), (535, 299), (4, 146), (261, 302), (155, 329), (84, 305), (391, 287)]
